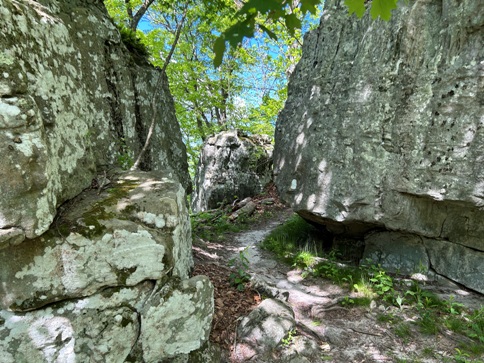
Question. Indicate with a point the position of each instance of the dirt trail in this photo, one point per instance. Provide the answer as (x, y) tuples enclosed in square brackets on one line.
[(325, 330)]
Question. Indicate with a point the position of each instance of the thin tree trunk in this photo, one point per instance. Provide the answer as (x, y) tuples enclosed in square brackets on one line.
[(158, 84), (139, 14)]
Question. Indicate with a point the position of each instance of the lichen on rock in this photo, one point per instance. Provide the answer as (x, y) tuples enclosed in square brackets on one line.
[(72, 103), (383, 130), (231, 166), (86, 249)]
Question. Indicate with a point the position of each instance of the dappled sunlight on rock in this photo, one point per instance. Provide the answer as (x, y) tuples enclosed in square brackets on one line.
[(396, 147)]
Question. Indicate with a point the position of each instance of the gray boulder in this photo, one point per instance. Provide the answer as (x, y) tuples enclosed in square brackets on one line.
[(73, 102), (263, 330), (383, 131), (109, 281), (94, 262), (231, 166)]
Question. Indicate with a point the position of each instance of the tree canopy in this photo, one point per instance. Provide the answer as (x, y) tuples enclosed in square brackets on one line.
[(246, 91), (247, 87)]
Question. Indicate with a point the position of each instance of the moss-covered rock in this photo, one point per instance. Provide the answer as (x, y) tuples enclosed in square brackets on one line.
[(73, 102), (136, 230)]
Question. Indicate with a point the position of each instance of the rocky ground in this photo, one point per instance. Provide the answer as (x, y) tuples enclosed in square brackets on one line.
[(283, 316)]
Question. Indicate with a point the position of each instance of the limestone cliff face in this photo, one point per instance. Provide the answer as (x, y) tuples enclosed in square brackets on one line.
[(73, 102), (383, 133)]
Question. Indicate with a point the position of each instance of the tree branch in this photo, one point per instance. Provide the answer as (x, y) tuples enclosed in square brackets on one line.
[(129, 10), (139, 14), (158, 84)]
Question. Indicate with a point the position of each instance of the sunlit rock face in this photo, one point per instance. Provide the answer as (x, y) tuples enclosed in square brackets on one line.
[(231, 166), (94, 262), (73, 102), (383, 130), (109, 281)]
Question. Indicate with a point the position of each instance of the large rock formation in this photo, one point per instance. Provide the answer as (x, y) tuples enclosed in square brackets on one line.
[(382, 135), (72, 99), (104, 277), (231, 166), (109, 280)]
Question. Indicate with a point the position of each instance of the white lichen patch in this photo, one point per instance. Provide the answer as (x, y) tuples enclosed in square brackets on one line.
[(81, 266), (9, 114), (155, 220), (103, 328), (184, 318), (182, 238)]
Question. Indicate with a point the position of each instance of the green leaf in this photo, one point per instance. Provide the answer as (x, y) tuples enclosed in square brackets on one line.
[(261, 6), (357, 7), (382, 9), (219, 50), (310, 5), (270, 33), (292, 22), (236, 33)]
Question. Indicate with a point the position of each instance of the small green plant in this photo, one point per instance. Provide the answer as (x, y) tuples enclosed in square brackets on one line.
[(382, 283), (355, 301), (304, 259), (460, 356), (347, 301), (399, 300), (476, 325), (428, 322), (125, 160), (455, 324), (289, 338), (475, 349), (214, 225), (290, 242), (240, 276), (428, 352), (385, 318), (134, 44), (402, 330), (453, 307)]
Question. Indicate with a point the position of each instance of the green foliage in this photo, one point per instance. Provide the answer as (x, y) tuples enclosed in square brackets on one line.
[(453, 307), (247, 91), (382, 283), (356, 301), (402, 330), (125, 159), (255, 14), (290, 242), (423, 298), (356, 6), (475, 327), (304, 259), (382, 8), (371, 282), (213, 225), (132, 41), (460, 356), (428, 322), (289, 338), (240, 277)]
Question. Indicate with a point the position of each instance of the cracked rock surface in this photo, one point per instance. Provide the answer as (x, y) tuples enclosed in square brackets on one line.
[(382, 135), (108, 282)]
